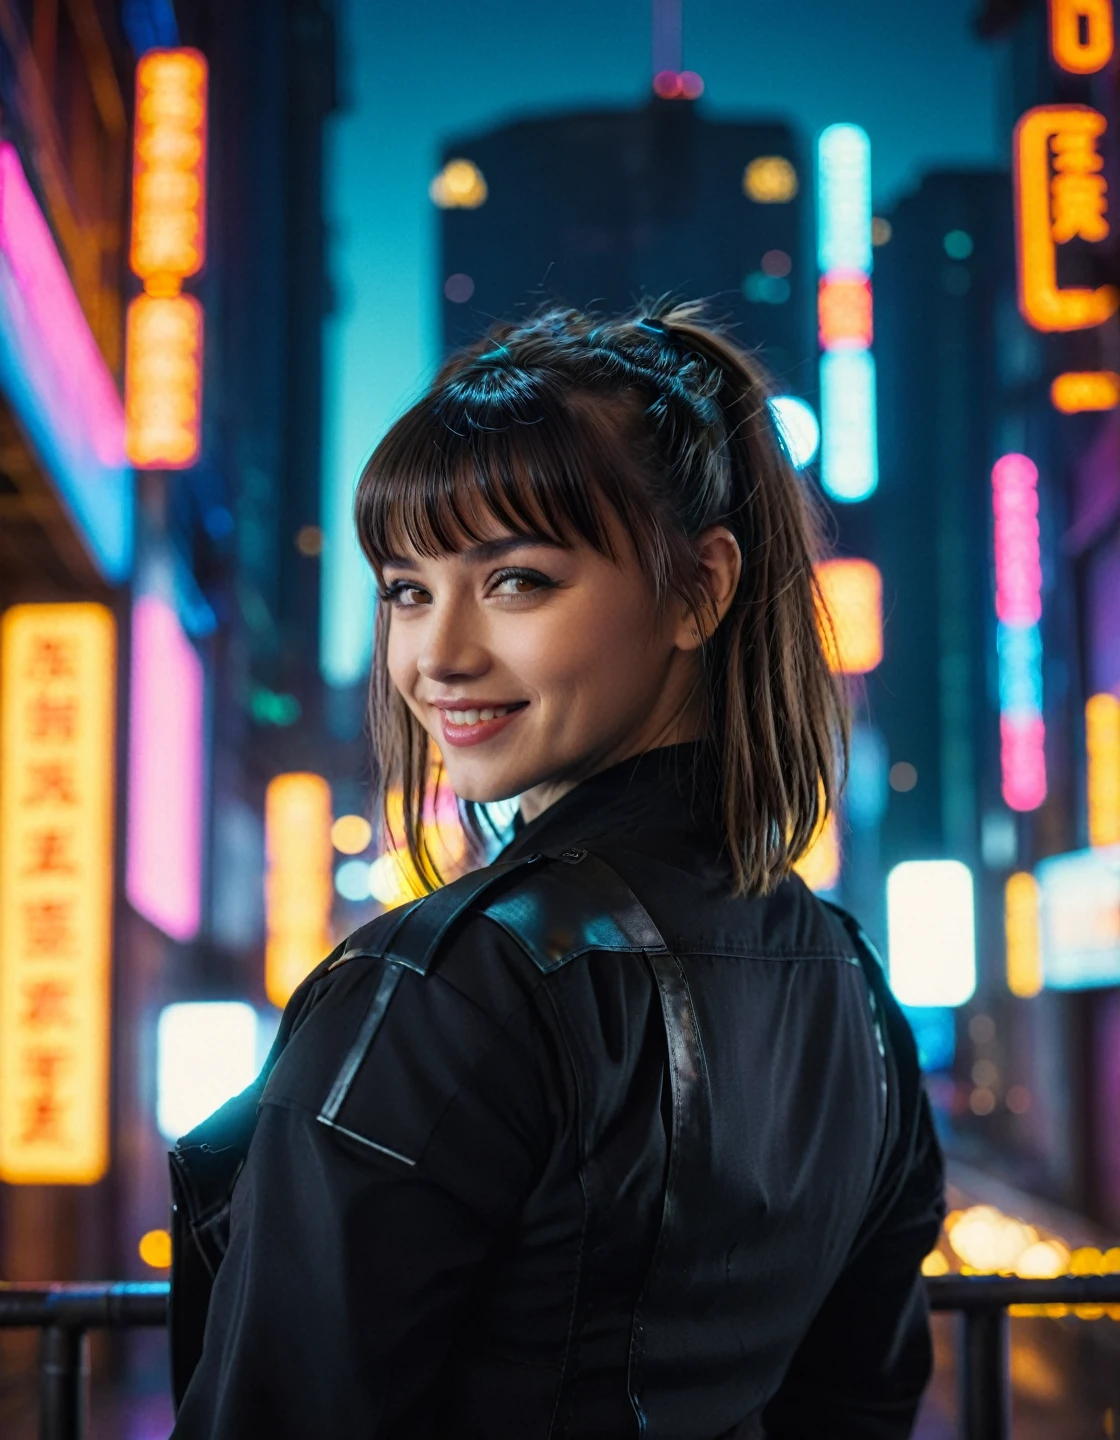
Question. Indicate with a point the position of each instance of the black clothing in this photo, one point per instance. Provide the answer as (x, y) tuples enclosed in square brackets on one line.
[(533, 1220)]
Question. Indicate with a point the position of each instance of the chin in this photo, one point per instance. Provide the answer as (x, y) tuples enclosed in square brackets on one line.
[(481, 784)]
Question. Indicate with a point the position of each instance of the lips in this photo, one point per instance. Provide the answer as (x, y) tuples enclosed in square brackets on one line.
[(473, 725)]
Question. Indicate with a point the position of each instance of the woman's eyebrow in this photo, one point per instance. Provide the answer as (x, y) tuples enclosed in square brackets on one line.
[(486, 550)]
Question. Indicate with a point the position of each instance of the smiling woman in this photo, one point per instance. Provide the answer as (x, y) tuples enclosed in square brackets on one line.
[(560, 529), (622, 1135)]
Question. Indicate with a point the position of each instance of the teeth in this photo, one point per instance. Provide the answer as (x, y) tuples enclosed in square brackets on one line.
[(472, 717)]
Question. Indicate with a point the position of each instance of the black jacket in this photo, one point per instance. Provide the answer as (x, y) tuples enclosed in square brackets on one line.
[(594, 1200)]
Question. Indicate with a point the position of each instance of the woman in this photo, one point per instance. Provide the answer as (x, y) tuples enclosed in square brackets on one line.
[(536, 1185)]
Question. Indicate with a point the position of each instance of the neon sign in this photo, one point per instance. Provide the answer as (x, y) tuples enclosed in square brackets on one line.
[(849, 451), (163, 878), (1078, 390), (58, 697), (931, 932), (1081, 35), (1018, 567), (1022, 935), (1060, 195), (851, 595), (1102, 751), (163, 382), (299, 888)]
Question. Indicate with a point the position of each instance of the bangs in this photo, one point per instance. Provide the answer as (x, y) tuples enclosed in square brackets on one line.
[(452, 467)]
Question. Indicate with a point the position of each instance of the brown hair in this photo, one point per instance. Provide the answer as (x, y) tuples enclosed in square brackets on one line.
[(666, 421)]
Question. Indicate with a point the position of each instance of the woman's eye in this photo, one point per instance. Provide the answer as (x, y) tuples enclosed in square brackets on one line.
[(405, 597), (519, 582)]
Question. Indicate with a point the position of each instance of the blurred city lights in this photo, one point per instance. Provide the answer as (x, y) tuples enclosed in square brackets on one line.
[(770, 180), (206, 1052), (844, 311), (155, 1249), (1061, 194), (163, 382), (1018, 603), (764, 289), (1102, 750), (935, 1034), (1079, 390), (351, 834), (844, 199), (352, 880), (1080, 919), (299, 885), (866, 791), (881, 231), (902, 777), (678, 85), (957, 244), (460, 185), (1081, 35), (931, 932), (849, 461), (458, 288), (57, 746), (56, 379), (851, 594), (819, 867), (169, 169), (1022, 935), (797, 424), (163, 875)]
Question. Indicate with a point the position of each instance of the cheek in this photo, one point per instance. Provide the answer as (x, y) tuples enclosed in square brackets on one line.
[(401, 649)]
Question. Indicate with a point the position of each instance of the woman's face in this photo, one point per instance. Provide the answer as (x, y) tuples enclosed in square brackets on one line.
[(533, 665)]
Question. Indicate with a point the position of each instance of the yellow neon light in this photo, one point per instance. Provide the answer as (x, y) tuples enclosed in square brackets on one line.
[(57, 703), (770, 180), (169, 169), (851, 594), (1060, 195), (1070, 20), (1079, 390), (1102, 747), (1021, 932), (460, 185), (819, 867), (298, 886), (163, 382)]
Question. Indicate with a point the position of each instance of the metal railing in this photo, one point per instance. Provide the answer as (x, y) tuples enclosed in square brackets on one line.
[(66, 1314)]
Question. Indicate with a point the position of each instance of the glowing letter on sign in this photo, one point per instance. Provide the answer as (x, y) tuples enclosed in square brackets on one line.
[(1021, 930), (1102, 747), (931, 932), (844, 178), (164, 875), (849, 454), (851, 593), (163, 391), (169, 169), (299, 888), (57, 691), (1060, 194), (1079, 390), (1081, 35)]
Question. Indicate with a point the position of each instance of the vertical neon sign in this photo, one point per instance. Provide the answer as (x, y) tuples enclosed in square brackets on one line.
[(1018, 566), (849, 450)]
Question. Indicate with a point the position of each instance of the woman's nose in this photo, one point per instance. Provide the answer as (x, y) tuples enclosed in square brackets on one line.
[(452, 648)]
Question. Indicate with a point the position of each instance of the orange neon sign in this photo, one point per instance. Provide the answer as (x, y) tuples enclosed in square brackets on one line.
[(1081, 35), (57, 702), (163, 384), (850, 592), (1061, 195), (1078, 390), (844, 311), (1102, 751), (169, 169), (299, 888)]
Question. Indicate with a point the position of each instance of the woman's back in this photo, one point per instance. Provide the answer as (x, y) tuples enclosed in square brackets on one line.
[(601, 1196)]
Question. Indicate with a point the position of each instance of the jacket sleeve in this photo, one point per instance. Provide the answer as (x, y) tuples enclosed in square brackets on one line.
[(353, 1250), (861, 1369)]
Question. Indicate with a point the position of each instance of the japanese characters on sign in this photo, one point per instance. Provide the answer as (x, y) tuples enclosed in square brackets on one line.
[(1061, 195), (163, 377), (1081, 35), (57, 701)]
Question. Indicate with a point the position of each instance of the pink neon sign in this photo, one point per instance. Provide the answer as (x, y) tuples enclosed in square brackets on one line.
[(164, 872), (55, 332), (1018, 563), (1022, 742)]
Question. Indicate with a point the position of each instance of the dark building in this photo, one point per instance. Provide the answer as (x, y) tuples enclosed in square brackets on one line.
[(602, 209)]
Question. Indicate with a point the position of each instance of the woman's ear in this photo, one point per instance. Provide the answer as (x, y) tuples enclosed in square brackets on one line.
[(720, 563)]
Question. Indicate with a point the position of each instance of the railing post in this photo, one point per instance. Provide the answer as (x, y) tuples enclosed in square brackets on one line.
[(63, 1383), (985, 1386)]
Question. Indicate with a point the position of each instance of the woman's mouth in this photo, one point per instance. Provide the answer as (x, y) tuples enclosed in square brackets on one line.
[(472, 725)]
